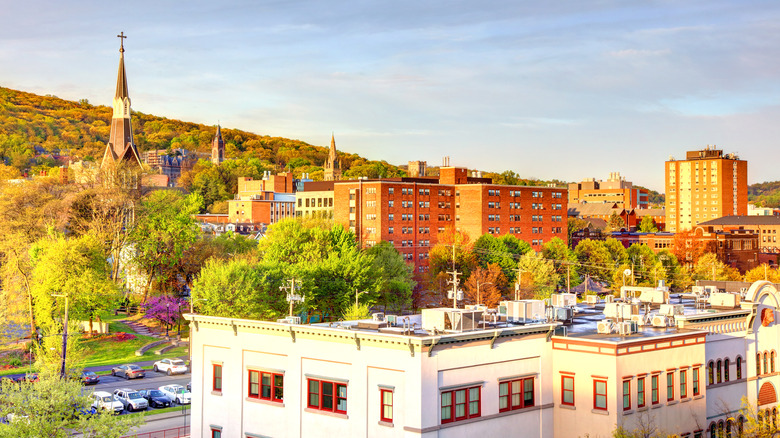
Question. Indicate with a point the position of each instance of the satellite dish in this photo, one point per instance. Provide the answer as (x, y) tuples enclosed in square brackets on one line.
[(627, 272)]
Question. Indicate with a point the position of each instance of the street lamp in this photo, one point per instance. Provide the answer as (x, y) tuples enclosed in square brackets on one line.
[(356, 297), (478, 296)]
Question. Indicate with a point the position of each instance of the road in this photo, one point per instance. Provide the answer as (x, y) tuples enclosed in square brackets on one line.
[(152, 380)]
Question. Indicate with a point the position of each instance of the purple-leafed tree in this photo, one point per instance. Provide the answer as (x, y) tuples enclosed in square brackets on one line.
[(164, 309)]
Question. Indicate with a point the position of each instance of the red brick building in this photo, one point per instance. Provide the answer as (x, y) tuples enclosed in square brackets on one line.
[(410, 212)]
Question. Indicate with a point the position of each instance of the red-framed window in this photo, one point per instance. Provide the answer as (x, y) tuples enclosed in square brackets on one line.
[(266, 386), (327, 396), (515, 394), (600, 394), (640, 392), (669, 385), (567, 390), (696, 389), (626, 395), (460, 404), (654, 389), (216, 381), (216, 433), (683, 384), (386, 412)]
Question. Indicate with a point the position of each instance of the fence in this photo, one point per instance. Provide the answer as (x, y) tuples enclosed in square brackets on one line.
[(177, 432)]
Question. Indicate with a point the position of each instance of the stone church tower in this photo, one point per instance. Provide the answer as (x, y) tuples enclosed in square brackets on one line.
[(332, 167), (218, 148)]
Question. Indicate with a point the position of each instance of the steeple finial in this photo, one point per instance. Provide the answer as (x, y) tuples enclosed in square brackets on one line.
[(121, 37)]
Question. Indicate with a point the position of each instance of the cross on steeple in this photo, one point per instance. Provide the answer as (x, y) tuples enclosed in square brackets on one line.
[(121, 37)]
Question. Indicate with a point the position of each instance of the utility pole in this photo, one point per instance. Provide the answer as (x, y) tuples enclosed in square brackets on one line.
[(478, 296), (519, 283), (63, 371), (454, 281), (292, 296), (568, 278)]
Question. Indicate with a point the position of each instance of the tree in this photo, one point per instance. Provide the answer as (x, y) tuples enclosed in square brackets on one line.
[(540, 273), (502, 251), (575, 224), (763, 272), (357, 311), (484, 286), (51, 407), (564, 260), (392, 277), (757, 423), (76, 268), (164, 309), (708, 267), (440, 257), (689, 246), (615, 222), (647, 225), (595, 260), (164, 230)]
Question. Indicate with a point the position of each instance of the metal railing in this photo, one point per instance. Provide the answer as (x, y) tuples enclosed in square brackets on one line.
[(176, 432)]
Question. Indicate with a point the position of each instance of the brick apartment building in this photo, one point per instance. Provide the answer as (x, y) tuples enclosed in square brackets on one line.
[(410, 212)]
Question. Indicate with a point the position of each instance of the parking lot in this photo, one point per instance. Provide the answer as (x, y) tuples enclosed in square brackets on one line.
[(152, 380)]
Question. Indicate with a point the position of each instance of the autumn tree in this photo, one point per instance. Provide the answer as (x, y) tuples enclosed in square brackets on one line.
[(763, 272), (537, 275), (615, 222), (689, 246), (574, 224), (708, 267), (485, 286), (440, 257)]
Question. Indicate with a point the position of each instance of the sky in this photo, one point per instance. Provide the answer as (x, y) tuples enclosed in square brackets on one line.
[(566, 89)]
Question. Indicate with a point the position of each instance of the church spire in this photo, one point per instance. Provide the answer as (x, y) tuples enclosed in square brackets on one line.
[(218, 147), (121, 147), (332, 170)]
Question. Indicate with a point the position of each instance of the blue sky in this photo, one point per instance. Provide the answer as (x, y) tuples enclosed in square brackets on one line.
[(565, 89)]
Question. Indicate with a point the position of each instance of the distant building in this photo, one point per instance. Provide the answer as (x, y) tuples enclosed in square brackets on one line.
[(767, 228), (589, 211), (218, 148), (615, 190), (262, 202), (704, 186), (315, 200), (417, 168), (332, 171), (658, 215), (171, 166)]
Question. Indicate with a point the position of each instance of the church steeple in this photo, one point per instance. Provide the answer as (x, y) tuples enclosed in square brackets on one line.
[(332, 170), (218, 147), (121, 147)]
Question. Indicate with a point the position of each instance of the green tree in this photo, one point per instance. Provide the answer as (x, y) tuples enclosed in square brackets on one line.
[(392, 277), (440, 257), (50, 408), (575, 224), (565, 262), (539, 272), (647, 225), (503, 251), (615, 222), (355, 312), (164, 229), (708, 267), (595, 260)]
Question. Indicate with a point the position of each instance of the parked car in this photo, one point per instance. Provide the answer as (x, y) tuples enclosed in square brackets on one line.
[(131, 399), (176, 394), (155, 398), (170, 366), (106, 401), (189, 386), (89, 378), (27, 377), (128, 371)]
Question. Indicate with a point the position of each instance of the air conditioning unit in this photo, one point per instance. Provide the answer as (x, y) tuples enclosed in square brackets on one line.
[(290, 320), (592, 299), (638, 319), (627, 327), (563, 300), (671, 310), (697, 290), (378, 317), (660, 321), (609, 299), (604, 327), (391, 319)]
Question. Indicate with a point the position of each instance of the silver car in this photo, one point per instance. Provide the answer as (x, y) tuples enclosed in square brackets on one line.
[(131, 399)]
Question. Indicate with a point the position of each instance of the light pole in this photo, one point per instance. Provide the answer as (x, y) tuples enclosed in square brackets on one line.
[(478, 296), (64, 336), (356, 298)]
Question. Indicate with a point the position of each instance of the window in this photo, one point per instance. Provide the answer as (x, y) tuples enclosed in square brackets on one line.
[(386, 413), (640, 392), (739, 367), (600, 394), (216, 433), (515, 394), (683, 384), (670, 386), (567, 390), (460, 404), (654, 389), (696, 390), (390, 191), (758, 364), (626, 395), (720, 365), (266, 386), (766, 362), (726, 366), (216, 382), (710, 373), (327, 396), (772, 362)]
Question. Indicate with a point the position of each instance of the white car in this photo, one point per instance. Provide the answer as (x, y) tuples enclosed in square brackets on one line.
[(177, 394), (170, 366), (106, 400)]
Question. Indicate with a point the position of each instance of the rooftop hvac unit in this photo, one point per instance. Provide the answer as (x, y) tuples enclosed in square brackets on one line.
[(378, 317), (502, 309), (671, 310), (654, 296), (697, 290), (660, 321), (592, 299), (638, 319), (604, 327), (524, 311), (562, 313), (454, 320), (710, 289), (627, 327), (391, 319), (563, 300), (609, 298), (290, 320), (620, 310), (725, 300)]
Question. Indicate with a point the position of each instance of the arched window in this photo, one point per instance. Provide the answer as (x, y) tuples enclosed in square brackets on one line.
[(740, 425), (720, 428), (713, 431), (710, 373), (729, 427), (758, 364), (772, 362), (760, 419), (774, 418), (726, 365), (766, 362), (720, 374), (739, 367)]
